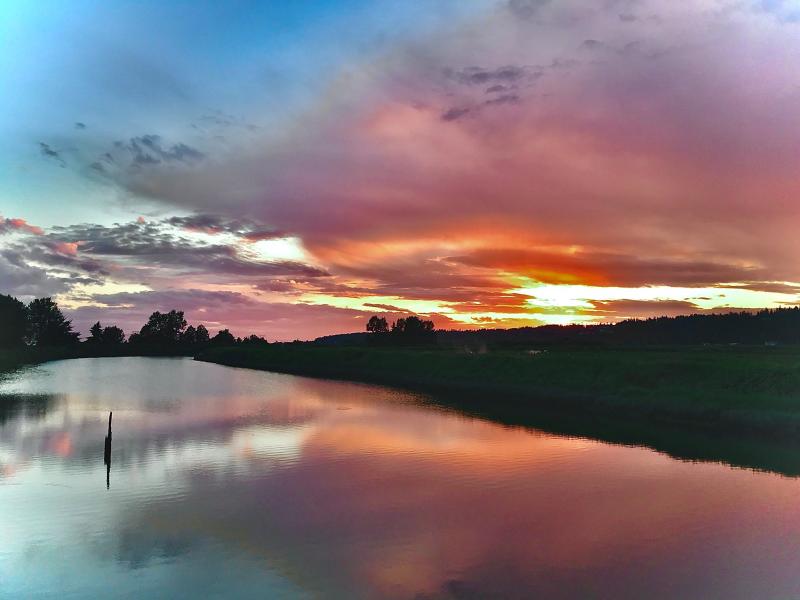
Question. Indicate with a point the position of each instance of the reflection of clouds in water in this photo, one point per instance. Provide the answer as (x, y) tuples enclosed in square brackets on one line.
[(266, 481), (66, 426), (386, 514)]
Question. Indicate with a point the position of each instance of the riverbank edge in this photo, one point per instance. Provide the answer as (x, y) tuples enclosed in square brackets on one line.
[(480, 397), (12, 360)]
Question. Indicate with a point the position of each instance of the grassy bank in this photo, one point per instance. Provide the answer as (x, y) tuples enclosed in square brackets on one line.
[(32, 355), (14, 359), (729, 389)]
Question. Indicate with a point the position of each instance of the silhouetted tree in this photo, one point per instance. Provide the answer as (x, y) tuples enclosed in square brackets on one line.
[(412, 331), (201, 334), (412, 326), (189, 336), (377, 325), (13, 322), (163, 328), (95, 334), (223, 338), (113, 335), (47, 325), (254, 340)]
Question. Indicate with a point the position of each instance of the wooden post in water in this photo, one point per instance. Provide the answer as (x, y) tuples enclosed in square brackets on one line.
[(107, 451)]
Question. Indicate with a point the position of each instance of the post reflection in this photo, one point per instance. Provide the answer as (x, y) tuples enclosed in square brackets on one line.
[(107, 453)]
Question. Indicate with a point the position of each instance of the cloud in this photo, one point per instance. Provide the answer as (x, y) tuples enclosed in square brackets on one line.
[(143, 252), (388, 308), (26, 281), (451, 114), (481, 76), (219, 309), (150, 150), (553, 142), (8, 225), (157, 244), (214, 224), (48, 152), (603, 268)]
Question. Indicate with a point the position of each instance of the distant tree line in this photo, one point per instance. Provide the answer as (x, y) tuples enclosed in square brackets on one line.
[(768, 326), (41, 323), (407, 331)]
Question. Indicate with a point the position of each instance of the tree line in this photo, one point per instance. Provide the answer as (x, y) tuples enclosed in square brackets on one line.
[(762, 327), (406, 331), (41, 323)]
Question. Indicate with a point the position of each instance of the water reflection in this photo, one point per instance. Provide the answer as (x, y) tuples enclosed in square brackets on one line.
[(231, 483)]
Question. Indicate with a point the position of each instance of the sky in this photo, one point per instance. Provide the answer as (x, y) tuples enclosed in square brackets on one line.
[(291, 168)]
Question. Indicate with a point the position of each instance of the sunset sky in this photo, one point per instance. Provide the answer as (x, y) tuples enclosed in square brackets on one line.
[(291, 168)]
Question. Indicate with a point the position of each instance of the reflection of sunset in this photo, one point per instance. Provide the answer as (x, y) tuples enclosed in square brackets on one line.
[(390, 496), (62, 444)]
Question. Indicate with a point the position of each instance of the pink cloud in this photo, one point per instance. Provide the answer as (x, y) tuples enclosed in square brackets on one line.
[(20, 225)]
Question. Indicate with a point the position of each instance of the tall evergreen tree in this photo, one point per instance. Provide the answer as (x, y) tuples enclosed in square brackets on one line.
[(95, 334), (47, 325), (13, 322)]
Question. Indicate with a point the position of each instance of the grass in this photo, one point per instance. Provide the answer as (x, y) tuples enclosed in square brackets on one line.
[(753, 389)]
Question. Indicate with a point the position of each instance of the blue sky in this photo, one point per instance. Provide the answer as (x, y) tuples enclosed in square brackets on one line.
[(131, 68)]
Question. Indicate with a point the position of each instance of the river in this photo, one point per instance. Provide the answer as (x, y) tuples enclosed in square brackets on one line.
[(229, 483)]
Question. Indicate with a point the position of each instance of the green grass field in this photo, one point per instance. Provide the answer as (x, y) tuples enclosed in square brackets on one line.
[(741, 388)]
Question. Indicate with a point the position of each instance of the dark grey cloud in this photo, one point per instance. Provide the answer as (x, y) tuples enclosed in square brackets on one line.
[(47, 251), (156, 243), (525, 9), (217, 119), (504, 99), (482, 76), (148, 252), (20, 279), (80, 125), (214, 224), (49, 152), (150, 150), (388, 308), (456, 112)]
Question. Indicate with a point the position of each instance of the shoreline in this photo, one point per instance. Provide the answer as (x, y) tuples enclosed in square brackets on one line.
[(759, 437), (763, 436)]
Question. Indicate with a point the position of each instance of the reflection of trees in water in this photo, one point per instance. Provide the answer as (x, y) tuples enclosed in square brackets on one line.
[(30, 406)]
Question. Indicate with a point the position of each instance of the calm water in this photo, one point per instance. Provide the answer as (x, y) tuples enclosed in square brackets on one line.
[(232, 483)]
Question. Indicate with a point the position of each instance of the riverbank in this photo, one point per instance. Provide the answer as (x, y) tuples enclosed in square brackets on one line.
[(33, 355), (20, 357), (734, 390)]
